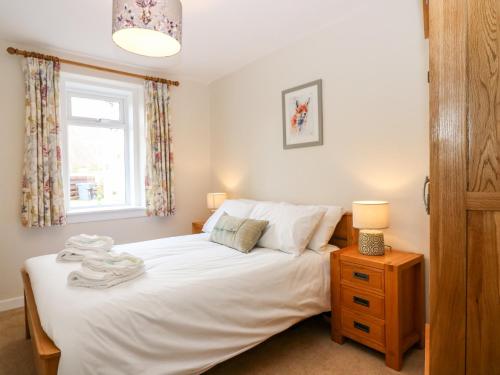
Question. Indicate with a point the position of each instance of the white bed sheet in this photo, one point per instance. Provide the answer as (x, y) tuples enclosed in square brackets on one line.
[(198, 304)]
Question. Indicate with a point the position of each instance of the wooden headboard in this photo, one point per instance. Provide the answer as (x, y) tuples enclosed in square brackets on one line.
[(345, 234)]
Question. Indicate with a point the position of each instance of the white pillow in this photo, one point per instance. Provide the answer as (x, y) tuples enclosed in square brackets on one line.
[(290, 227), (264, 210), (325, 229), (233, 207)]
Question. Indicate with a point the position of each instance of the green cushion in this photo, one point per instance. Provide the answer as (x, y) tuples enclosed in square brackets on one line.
[(237, 233)]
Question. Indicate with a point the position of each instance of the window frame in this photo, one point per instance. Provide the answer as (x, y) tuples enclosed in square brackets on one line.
[(131, 121), (79, 93)]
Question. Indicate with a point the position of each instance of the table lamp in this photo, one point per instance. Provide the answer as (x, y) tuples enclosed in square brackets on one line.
[(215, 200), (370, 217)]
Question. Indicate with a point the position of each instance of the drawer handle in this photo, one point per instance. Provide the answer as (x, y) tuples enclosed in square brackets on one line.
[(361, 301), (362, 327), (361, 276)]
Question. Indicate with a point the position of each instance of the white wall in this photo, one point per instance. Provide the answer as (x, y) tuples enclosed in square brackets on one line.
[(190, 105), (375, 95)]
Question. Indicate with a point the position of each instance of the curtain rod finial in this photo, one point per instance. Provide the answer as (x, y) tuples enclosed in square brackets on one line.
[(12, 50)]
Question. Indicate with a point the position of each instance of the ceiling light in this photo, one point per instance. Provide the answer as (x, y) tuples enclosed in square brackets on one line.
[(148, 27)]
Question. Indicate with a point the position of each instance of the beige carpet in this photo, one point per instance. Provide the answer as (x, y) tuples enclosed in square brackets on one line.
[(303, 349)]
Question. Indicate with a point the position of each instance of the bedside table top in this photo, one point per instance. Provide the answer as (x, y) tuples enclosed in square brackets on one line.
[(391, 257), (197, 226)]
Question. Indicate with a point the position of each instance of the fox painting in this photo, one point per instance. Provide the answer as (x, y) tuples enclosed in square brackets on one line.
[(299, 118)]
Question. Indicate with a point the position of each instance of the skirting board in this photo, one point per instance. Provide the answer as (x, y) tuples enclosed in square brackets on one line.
[(11, 303)]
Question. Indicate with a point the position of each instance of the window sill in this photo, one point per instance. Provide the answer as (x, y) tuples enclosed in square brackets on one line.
[(104, 214)]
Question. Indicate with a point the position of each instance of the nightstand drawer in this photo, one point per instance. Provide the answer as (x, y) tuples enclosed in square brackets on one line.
[(367, 330), (364, 277), (359, 300)]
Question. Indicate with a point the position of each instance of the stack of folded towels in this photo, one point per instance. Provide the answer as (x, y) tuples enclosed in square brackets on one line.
[(101, 268), (106, 270), (77, 247)]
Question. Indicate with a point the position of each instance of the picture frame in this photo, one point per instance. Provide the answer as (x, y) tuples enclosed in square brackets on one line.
[(302, 108)]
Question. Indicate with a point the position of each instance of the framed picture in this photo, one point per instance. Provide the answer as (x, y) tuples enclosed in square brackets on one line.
[(303, 115)]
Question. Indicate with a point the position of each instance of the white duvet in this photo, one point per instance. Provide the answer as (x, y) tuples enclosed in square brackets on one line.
[(198, 304)]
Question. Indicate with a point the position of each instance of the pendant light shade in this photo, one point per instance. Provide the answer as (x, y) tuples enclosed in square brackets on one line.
[(148, 27)]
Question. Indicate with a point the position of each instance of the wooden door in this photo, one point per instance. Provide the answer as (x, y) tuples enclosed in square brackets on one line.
[(483, 188), (465, 187)]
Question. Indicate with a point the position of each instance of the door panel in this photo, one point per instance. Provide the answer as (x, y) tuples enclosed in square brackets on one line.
[(483, 198), (483, 293), (448, 174), (483, 65)]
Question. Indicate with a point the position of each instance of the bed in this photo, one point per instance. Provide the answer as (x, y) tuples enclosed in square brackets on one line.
[(206, 303)]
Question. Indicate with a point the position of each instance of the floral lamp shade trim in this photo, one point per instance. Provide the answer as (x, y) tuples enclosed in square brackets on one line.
[(148, 27), (42, 186), (159, 151)]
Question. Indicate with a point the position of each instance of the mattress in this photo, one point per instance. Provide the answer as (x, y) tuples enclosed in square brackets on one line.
[(198, 304)]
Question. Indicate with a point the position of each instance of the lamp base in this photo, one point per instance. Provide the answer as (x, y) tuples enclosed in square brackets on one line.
[(371, 242)]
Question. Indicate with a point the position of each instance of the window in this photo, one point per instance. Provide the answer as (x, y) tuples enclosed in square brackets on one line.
[(102, 148)]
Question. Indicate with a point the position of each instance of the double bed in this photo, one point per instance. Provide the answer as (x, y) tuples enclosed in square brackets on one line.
[(198, 304)]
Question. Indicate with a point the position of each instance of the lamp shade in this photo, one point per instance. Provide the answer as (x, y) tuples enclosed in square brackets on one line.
[(370, 214), (214, 200), (148, 27)]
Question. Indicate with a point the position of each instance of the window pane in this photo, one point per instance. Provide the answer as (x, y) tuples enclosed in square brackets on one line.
[(95, 108), (96, 166)]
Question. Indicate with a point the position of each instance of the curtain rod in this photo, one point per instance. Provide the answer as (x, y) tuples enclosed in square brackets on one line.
[(15, 51)]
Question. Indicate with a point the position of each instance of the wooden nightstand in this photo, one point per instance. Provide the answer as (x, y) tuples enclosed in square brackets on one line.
[(197, 226), (378, 301)]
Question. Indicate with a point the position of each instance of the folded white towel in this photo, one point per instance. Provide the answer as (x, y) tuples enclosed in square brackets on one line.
[(76, 255), (103, 270), (88, 242), (71, 255), (116, 264), (79, 246), (99, 280)]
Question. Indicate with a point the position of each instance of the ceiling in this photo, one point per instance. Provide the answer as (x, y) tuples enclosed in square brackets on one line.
[(219, 36)]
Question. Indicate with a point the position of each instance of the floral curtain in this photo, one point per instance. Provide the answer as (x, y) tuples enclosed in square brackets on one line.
[(42, 187), (159, 155)]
